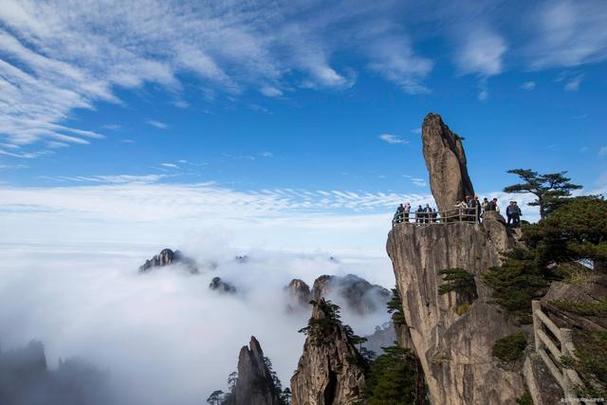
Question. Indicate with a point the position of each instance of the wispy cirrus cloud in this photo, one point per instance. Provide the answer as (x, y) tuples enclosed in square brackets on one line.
[(393, 139), (54, 59), (157, 124), (567, 33)]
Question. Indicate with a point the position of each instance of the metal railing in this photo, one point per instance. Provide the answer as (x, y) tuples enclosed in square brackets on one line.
[(456, 215), (552, 343)]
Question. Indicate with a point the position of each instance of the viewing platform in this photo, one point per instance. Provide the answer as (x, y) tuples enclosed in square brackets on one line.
[(456, 215)]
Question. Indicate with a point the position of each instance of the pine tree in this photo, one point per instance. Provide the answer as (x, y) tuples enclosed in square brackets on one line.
[(548, 188)]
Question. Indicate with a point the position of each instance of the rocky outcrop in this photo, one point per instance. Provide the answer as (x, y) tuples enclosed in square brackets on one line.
[(330, 370), (223, 287), (446, 163), (353, 292), (298, 295), (254, 385), (168, 257), (454, 350), (454, 343)]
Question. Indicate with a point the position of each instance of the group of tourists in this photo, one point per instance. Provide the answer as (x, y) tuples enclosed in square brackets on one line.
[(423, 215), (471, 209)]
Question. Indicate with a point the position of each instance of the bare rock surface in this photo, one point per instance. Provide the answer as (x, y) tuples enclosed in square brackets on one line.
[(446, 163), (254, 385), (330, 369), (454, 350), (298, 295)]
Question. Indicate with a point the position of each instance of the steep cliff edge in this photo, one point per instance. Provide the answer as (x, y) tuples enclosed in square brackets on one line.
[(454, 343), (330, 370)]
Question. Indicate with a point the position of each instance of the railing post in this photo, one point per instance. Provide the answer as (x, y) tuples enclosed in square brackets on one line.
[(566, 340), (536, 306)]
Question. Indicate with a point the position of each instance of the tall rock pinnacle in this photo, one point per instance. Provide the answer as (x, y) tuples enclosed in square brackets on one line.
[(453, 335), (330, 370), (446, 163), (254, 385)]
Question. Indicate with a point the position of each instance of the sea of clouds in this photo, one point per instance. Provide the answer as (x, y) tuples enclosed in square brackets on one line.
[(164, 337)]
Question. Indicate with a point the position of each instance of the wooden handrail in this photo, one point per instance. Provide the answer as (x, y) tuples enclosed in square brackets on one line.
[(468, 215), (550, 349)]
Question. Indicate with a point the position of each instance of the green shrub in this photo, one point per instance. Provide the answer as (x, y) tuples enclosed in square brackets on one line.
[(393, 378), (591, 362), (395, 307), (510, 348), (525, 399), (517, 282), (458, 280)]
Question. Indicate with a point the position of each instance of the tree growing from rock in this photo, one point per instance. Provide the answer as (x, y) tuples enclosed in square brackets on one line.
[(548, 188), (393, 378), (216, 397)]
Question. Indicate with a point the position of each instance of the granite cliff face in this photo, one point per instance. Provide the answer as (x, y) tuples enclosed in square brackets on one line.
[(254, 385), (446, 162), (454, 346), (330, 370)]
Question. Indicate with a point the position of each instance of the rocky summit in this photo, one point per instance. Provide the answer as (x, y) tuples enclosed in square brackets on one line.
[(221, 286), (298, 295), (352, 292), (254, 385), (330, 370), (168, 257), (446, 163)]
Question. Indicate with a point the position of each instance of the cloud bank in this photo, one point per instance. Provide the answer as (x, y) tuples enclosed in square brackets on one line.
[(162, 337)]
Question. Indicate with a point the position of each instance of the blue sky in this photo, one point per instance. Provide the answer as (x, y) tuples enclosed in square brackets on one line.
[(313, 105)]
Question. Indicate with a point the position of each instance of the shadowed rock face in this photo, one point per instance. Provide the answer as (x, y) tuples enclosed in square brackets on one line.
[(254, 385), (167, 257), (329, 371), (446, 163)]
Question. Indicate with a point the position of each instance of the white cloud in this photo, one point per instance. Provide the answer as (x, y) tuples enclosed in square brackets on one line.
[(568, 33), (157, 124), (170, 165), (271, 91), (156, 335), (393, 58), (481, 52), (574, 83), (393, 139), (416, 181), (57, 58), (530, 85)]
